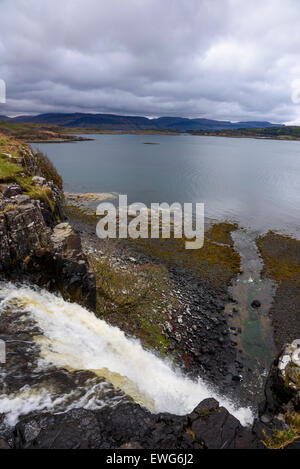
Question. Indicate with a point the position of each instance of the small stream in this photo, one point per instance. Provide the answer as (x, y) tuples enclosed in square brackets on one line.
[(251, 326)]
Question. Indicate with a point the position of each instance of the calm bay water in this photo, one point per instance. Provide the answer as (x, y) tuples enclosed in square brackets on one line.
[(254, 182)]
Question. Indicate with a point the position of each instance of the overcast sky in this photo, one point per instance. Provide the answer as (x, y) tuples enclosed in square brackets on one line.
[(222, 59)]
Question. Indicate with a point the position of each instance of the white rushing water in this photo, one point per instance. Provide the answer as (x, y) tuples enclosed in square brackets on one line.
[(73, 338)]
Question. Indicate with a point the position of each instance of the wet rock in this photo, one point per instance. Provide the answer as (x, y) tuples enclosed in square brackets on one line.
[(129, 426), (207, 405), (126, 426), (256, 304), (265, 419), (213, 426), (237, 378), (77, 429), (4, 445)]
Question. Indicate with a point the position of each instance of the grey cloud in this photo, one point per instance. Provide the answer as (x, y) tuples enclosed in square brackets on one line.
[(224, 59)]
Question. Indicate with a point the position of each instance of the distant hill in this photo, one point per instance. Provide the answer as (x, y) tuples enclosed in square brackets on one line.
[(96, 121), (184, 125), (132, 123), (287, 132)]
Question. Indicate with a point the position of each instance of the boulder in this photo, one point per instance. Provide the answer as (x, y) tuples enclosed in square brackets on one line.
[(12, 190), (39, 181), (256, 304), (213, 426), (65, 239), (283, 383), (77, 429)]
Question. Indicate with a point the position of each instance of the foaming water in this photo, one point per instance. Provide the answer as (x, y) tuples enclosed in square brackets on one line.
[(38, 399), (73, 338)]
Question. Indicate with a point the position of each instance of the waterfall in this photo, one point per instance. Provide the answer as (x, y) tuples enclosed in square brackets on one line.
[(73, 338)]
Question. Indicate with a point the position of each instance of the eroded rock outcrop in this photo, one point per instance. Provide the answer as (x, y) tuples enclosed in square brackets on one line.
[(131, 426), (283, 384), (279, 423), (35, 245)]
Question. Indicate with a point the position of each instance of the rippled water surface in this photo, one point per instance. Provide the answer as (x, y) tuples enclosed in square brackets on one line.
[(253, 181)]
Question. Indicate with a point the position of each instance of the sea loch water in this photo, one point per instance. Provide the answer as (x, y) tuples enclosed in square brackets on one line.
[(255, 182)]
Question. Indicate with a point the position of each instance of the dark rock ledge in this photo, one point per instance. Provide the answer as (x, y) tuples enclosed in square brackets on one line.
[(209, 426), (129, 425)]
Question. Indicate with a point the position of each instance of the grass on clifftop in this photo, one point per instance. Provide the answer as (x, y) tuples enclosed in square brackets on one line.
[(12, 153), (11, 146), (282, 438), (48, 170), (9, 172)]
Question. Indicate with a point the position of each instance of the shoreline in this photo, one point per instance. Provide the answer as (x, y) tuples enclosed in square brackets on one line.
[(178, 134), (69, 135), (256, 137), (230, 321), (200, 330), (61, 140)]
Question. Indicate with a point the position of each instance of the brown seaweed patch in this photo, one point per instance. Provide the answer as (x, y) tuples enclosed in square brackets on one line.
[(281, 255), (216, 261)]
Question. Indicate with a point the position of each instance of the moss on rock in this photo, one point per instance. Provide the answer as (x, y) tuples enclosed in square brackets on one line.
[(216, 261), (136, 300), (280, 439)]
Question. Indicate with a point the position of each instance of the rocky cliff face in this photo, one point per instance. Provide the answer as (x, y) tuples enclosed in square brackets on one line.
[(283, 384), (36, 242)]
